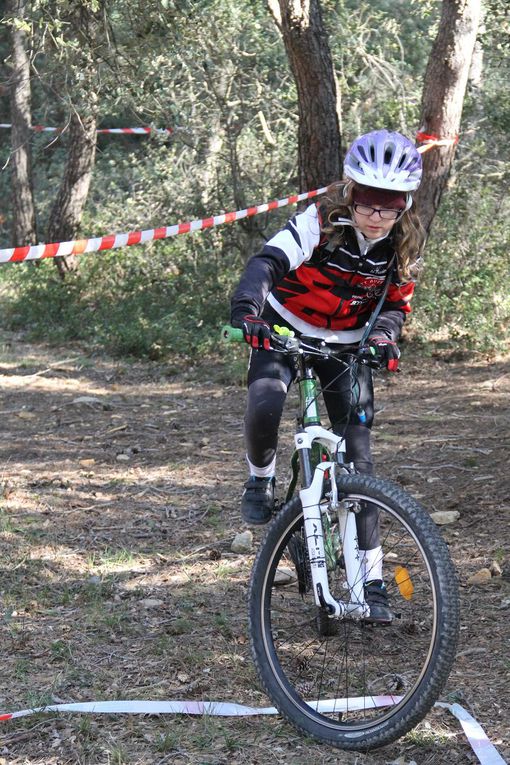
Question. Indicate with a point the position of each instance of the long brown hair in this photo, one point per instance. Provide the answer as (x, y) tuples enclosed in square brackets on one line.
[(408, 233)]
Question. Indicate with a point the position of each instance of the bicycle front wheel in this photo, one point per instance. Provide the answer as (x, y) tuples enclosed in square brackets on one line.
[(350, 683)]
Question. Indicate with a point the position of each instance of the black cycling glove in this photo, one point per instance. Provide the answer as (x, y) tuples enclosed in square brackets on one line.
[(256, 331), (387, 351)]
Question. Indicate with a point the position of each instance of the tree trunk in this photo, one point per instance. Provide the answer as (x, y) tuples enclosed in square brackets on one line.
[(306, 43), (84, 22), (67, 209), (443, 95), (23, 209)]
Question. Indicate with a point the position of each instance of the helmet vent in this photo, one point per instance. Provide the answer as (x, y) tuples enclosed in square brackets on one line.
[(388, 154), (385, 160)]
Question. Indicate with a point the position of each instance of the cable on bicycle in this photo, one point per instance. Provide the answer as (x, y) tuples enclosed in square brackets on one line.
[(355, 383)]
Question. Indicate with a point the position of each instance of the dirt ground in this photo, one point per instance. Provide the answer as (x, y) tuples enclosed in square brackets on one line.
[(119, 492)]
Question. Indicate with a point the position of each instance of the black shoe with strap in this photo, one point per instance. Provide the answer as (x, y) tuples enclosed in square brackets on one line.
[(376, 596), (257, 502)]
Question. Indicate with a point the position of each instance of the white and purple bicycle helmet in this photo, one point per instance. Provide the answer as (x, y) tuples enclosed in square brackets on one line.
[(384, 160)]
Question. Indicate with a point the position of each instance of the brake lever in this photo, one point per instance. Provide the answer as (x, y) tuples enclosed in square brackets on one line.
[(284, 343), (368, 355)]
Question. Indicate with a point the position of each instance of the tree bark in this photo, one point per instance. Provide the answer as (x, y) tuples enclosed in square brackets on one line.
[(306, 43), (67, 209), (444, 88), (84, 23), (23, 209)]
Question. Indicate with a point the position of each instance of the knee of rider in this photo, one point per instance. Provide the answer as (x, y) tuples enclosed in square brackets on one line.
[(266, 398)]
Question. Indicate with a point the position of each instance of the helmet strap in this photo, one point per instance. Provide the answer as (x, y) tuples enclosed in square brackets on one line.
[(409, 204)]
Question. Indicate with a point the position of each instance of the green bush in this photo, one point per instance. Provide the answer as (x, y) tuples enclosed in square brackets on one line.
[(464, 288), (147, 302), (231, 95)]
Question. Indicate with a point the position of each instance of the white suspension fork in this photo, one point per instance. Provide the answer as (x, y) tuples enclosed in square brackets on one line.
[(314, 533), (352, 557)]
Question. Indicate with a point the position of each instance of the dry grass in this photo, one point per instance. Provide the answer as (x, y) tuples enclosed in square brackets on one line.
[(117, 579)]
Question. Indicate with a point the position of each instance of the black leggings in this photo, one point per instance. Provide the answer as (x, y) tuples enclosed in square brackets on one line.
[(346, 394)]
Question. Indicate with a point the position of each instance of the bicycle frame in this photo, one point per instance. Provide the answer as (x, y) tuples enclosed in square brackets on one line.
[(312, 492), (312, 495), (312, 631)]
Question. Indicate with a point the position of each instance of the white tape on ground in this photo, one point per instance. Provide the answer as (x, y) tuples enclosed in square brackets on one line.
[(217, 708), (486, 752), (482, 747)]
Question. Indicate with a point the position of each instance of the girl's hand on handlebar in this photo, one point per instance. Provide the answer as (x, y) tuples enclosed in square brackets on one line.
[(256, 332), (386, 351)]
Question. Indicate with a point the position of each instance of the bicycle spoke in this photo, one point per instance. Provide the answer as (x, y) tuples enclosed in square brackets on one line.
[(355, 674)]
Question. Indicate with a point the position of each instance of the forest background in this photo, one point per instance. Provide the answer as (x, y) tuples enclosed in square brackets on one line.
[(121, 481), (216, 72)]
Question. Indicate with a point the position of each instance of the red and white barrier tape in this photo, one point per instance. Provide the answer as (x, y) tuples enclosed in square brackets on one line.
[(429, 140), (113, 241), (117, 131), (486, 752), (426, 138)]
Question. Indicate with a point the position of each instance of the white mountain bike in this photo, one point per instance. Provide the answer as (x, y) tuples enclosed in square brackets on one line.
[(329, 671)]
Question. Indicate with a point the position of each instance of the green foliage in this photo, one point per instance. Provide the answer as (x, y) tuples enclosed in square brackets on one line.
[(216, 71), (465, 284), (233, 146), (152, 301), (380, 58), (464, 294)]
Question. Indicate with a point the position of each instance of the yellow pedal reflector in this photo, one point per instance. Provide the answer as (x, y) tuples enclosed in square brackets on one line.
[(404, 582)]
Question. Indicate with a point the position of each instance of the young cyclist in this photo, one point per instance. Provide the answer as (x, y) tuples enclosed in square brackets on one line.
[(322, 276)]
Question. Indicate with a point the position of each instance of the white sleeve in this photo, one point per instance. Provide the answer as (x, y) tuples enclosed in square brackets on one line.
[(299, 238)]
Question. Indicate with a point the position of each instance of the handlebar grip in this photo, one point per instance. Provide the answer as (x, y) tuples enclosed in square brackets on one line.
[(232, 334)]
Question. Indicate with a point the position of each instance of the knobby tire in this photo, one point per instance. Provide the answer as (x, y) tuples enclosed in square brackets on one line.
[(300, 661)]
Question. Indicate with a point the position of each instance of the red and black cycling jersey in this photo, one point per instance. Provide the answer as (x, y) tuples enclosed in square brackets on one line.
[(331, 283)]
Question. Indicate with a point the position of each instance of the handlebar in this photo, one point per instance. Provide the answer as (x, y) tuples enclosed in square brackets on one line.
[(312, 346), (231, 334)]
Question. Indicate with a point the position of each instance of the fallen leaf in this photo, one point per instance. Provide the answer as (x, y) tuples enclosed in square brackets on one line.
[(92, 401), (443, 517), (151, 603), (495, 569), (483, 576)]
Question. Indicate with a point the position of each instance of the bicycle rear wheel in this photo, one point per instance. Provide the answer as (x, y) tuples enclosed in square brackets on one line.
[(355, 685)]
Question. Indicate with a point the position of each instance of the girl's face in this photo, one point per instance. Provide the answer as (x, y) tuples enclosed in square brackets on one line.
[(370, 223)]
